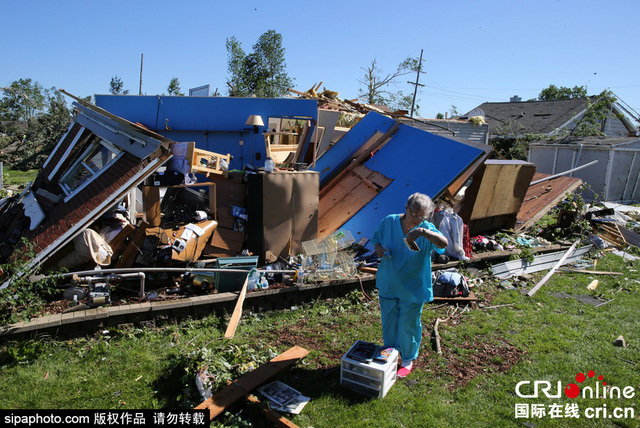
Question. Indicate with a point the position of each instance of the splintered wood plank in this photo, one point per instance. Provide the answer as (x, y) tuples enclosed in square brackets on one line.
[(237, 311), (458, 299), (347, 197), (272, 415), (250, 381)]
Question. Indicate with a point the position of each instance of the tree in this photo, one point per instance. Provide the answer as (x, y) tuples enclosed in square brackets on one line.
[(174, 87), (116, 85), (553, 92), (261, 73), (377, 85), (23, 100), (45, 118), (593, 120), (45, 130)]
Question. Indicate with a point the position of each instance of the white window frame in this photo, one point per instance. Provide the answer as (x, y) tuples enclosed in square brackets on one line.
[(94, 174)]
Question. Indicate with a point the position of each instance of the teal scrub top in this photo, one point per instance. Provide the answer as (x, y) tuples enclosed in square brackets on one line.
[(404, 274)]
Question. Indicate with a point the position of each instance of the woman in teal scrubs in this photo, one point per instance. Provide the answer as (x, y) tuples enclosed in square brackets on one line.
[(404, 275)]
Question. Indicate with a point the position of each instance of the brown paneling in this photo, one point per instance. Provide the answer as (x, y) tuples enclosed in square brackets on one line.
[(348, 196)]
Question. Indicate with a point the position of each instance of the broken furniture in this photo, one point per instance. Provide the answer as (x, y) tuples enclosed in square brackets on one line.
[(206, 162), (282, 209), (187, 241), (495, 195), (153, 200)]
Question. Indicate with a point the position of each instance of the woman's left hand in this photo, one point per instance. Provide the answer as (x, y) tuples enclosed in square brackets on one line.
[(414, 234)]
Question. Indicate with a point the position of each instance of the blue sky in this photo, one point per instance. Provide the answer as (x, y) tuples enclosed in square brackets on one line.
[(474, 51)]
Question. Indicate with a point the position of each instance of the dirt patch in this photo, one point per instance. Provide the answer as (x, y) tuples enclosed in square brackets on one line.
[(485, 357)]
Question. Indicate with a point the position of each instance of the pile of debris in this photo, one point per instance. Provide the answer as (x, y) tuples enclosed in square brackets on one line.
[(117, 202)]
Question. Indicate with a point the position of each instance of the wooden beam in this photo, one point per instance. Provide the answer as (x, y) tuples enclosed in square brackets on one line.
[(272, 415), (237, 312), (248, 382), (151, 199)]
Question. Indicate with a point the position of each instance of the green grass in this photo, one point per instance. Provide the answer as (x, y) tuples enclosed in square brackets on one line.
[(486, 352), (18, 177)]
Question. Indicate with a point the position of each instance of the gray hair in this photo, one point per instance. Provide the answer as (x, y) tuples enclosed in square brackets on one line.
[(421, 202)]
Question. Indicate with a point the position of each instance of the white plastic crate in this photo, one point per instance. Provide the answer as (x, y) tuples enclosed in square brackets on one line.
[(371, 378)]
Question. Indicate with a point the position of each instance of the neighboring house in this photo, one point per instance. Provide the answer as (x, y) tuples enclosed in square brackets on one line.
[(459, 128), (559, 117)]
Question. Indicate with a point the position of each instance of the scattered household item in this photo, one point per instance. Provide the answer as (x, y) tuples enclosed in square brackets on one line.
[(283, 398), (233, 281), (369, 369)]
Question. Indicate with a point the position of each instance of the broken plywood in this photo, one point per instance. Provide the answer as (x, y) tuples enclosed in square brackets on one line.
[(542, 197), (495, 195)]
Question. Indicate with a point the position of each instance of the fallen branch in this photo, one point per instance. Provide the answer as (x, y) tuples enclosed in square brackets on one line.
[(436, 336), (242, 386), (436, 307), (626, 361), (604, 303)]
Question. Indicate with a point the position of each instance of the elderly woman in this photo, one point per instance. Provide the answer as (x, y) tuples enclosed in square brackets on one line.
[(404, 275)]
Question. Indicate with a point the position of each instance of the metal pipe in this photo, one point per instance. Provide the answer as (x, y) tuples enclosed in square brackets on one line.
[(563, 173), (123, 271)]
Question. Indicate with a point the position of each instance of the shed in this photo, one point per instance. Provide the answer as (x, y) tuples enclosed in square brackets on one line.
[(616, 175)]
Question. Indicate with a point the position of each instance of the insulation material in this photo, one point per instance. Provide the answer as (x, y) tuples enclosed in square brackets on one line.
[(87, 246)]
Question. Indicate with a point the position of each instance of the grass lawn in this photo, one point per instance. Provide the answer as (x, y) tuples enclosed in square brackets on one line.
[(486, 351), (18, 177)]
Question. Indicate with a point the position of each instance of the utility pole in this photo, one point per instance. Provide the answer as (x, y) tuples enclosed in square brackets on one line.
[(141, 60), (416, 84)]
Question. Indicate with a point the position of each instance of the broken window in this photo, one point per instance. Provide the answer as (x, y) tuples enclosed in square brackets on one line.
[(96, 158)]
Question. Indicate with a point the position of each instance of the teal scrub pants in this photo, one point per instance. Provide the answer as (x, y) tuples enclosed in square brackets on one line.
[(401, 326)]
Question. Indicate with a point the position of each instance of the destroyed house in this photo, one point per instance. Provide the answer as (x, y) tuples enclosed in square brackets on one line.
[(96, 164)]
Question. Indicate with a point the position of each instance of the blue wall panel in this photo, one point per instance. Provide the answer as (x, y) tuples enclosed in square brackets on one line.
[(417, 161), (340, 154), (215, 123)]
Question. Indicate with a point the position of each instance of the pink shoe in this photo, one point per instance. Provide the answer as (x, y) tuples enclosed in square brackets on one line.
[(404, 371)]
